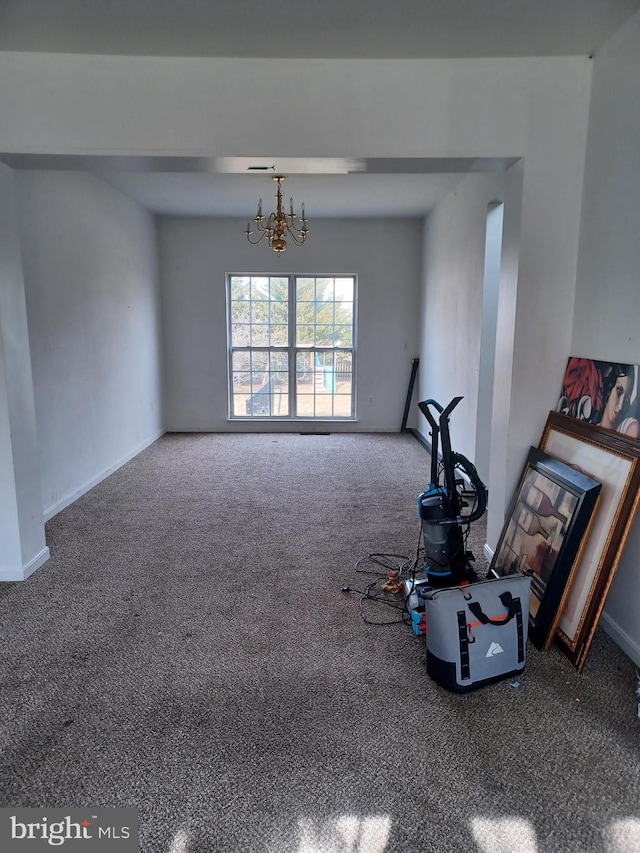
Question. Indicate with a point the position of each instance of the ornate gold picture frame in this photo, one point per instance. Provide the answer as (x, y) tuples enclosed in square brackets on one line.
[(613, 460)]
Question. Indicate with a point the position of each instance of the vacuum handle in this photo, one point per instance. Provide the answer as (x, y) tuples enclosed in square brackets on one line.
[(424, 408), (446, 412), (435, 434), (447, 459)]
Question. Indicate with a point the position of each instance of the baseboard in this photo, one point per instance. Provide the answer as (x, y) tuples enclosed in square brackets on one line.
[(488, 552), (620, 637), (23, 573), (54, 509), (425, 442), (233, 427)]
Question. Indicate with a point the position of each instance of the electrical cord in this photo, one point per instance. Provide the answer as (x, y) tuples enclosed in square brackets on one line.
[(385, 561), (405, 569), (366, 620), (408, 567), (369, 596)]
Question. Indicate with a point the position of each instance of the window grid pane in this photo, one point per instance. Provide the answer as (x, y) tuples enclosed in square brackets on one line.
[(324, 386), (261, 381)]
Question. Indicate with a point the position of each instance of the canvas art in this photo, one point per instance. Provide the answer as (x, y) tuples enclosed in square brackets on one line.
[(603, 393), (542, 537)]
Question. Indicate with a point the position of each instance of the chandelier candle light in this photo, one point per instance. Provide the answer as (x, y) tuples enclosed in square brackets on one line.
[(279, 224)]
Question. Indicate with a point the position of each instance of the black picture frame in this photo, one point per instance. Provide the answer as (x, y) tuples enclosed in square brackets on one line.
[(544, 531)]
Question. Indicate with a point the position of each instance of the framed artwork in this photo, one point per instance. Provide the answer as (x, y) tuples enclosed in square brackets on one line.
[(602, 392), (614, 460), (542, 537)]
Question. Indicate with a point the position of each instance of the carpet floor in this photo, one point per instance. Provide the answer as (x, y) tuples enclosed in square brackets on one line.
[(188, 650)]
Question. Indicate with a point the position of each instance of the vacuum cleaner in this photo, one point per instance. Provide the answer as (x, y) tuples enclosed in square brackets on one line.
[(454, 484)]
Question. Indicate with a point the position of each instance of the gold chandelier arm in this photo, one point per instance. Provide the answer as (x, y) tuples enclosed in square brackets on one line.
[(249, 232), (298, 237), (265, 230)]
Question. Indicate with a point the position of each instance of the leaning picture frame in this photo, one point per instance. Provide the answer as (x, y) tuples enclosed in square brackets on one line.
[(542, 536), (614, 460)]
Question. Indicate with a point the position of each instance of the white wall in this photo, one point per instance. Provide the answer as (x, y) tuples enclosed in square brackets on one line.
[(56, 103), (607, 310), (490, 300), (535, 108), (195, 256), (502, 462), (94, 324), (452, 304)]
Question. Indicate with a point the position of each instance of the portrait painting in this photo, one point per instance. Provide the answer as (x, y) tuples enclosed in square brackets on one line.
[(603, 393)]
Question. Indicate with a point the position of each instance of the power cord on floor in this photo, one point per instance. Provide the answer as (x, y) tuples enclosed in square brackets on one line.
[(397, 569)]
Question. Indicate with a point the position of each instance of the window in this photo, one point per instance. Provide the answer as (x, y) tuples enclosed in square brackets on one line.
[(291, 346)]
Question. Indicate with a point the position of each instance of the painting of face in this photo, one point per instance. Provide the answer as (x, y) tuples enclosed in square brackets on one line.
[(619, 393), (604, 393)]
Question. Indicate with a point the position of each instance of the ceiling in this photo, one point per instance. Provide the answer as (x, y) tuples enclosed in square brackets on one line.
[(291, 28), (329, 187), (324, 196), (324, 28)]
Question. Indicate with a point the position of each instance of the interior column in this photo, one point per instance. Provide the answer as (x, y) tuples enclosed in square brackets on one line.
[(22, 540)]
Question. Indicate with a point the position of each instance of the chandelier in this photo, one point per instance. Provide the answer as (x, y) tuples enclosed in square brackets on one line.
[(279, 225)]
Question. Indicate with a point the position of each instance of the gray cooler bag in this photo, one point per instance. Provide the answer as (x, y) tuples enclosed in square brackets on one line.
[(477, 634)]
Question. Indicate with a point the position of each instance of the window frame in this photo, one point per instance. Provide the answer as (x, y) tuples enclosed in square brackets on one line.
[(292, 349)]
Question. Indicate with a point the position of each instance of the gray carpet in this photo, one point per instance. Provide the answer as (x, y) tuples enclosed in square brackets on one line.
[(187, 650)]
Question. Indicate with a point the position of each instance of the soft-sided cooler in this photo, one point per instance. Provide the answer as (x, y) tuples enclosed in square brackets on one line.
[(477, 634)]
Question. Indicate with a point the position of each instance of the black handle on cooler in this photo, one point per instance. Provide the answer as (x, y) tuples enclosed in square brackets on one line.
[(509, 602)]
